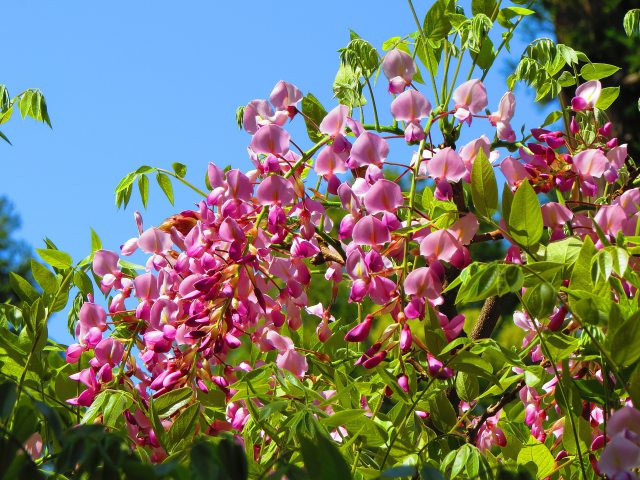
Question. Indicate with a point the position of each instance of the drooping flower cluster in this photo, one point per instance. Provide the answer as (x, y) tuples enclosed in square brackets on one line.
[(236, 272)]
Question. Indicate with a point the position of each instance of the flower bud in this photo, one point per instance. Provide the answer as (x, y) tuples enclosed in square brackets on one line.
[(361, 331)]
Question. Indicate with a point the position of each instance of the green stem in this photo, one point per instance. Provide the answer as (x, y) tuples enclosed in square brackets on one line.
[(188, 184), (373, 104), (422, 39)]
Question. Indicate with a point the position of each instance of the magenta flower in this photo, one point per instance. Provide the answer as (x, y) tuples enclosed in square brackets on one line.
[(490, 434), (275, 190), (92, 321), (360, 332), (399, 68), (470, 98), (587, 96)]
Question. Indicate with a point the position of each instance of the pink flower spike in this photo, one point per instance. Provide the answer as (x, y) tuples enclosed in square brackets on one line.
[(471, 96), (334, 122), (275, 190), (368, 149), (271, 139), (285, 95), (587, 95), (447, 165), (399, 68), (409, 106), (590, 163), (384, 196)]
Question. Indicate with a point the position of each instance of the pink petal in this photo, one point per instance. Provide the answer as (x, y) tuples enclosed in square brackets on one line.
[(275, 190), (410, 105), (334, 122), (447, 164), (590, 163), (285, 95), (271, 139), (471, 96), (384, 196), (368, 149), (370, 231)]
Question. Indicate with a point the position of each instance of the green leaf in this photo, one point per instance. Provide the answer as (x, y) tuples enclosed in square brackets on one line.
[(83, 282), (436, 25), (597, 71), (179, 169), (537, 458), (22, 288), (625, 344), (607, 97), (314, 113), (442, 413), (117, 402), (55, 258), (487, 7), (96, 243), (484, 188), (44, 277), (525, 219), (143, 186), (322, 459), (540, 300), (553, 117), (583, 431), (467, 386), (170, 402), (165, 184), (631, 22), (185, 425)]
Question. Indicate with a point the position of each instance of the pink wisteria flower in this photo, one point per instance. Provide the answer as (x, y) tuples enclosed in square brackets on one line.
[(587, 96), (399, 68), (470, 98), (502, 118), (410, 107)]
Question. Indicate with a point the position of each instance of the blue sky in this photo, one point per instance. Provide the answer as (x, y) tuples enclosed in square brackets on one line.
[(133, 83)]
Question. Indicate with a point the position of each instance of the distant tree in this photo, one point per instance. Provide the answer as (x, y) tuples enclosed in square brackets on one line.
[(14, 254), (595, 28)]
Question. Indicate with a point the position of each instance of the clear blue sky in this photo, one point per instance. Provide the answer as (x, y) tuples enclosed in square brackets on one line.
[(155, 82)]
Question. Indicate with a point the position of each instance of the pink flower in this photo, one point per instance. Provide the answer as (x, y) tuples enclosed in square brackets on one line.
[(275, 190), (423, 282), (285, 95), (411, 106), (590, 163), (288, 358), (490, 434), (555, 215), (502, 118), (447, 165), (513, 171), (370, 231), (369, 149), (384, 196), (399, 68), (92, 321), (270, 139), (587, 96), (470, 98), (334, 122)]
